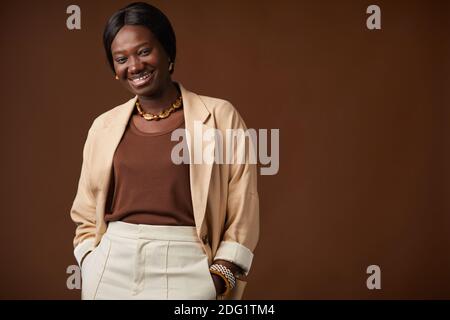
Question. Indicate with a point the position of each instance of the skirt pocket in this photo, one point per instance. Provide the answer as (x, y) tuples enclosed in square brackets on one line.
[(188, 272), (209, 279), (93, 267)]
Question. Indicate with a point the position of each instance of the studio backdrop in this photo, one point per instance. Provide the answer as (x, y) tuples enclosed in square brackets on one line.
[(358, 207)]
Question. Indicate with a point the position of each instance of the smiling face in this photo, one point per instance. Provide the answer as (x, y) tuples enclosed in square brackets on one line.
[(140, 61)]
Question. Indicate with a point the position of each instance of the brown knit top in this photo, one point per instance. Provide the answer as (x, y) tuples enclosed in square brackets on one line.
[(147, 187)]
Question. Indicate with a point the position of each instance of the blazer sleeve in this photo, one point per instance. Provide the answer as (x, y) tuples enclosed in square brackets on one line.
[(241, 231), (83, 209)]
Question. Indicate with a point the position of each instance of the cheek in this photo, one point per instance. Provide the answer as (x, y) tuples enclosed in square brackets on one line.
[(158, 59), (119, 69), (151, 60)]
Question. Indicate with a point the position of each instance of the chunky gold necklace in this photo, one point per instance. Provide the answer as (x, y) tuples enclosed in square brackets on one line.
[(163, 114)]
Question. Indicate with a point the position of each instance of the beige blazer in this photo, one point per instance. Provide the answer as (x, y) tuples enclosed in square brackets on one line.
[(224, 196)]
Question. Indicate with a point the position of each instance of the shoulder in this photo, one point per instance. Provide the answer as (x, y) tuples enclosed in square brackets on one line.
[(217, 105), (224, 113)]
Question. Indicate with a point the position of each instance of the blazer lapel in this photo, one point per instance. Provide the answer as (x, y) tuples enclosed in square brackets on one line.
[(111, 135), (195, 115)]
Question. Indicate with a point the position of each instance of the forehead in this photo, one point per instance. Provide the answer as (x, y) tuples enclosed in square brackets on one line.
[(129, 36)]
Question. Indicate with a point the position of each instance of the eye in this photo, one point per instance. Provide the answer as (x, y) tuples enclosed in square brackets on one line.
[(144, 52), (121, 60)]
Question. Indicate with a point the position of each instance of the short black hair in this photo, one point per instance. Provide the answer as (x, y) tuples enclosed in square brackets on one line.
[(144, 14)]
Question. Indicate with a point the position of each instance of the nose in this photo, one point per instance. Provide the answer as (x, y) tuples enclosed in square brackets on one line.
[(135, 65)]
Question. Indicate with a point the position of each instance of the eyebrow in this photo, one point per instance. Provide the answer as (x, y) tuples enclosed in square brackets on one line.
[(122, 51)]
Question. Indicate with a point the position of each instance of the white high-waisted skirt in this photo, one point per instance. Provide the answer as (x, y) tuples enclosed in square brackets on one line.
[(135, 261)]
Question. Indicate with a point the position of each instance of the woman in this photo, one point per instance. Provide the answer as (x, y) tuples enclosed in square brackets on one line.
[(149, 227)]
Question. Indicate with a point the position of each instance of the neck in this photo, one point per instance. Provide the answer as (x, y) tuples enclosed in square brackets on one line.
[(161, 101)]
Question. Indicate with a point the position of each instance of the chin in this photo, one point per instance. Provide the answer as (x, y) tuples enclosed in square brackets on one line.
[(147, 92), (144, 91)]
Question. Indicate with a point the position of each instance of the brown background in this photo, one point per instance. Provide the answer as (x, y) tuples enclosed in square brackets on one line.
[(364, 135)]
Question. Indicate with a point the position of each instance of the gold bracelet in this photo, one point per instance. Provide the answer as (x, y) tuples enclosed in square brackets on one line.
[(227, 282)]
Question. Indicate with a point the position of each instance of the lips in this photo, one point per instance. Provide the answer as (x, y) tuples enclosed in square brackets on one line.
[(142, 78)]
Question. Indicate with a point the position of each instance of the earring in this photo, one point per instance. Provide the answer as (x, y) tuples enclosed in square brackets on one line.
[(171, 67), (117, 77)]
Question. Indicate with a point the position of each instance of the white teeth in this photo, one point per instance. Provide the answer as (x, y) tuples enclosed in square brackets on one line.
[(143, 79), (146, 76)]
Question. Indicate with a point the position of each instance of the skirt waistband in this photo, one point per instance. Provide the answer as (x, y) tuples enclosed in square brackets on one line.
[(152, 232)]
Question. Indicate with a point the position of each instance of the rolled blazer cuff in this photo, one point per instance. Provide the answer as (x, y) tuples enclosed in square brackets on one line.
[(236, 253), (83, 249)]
